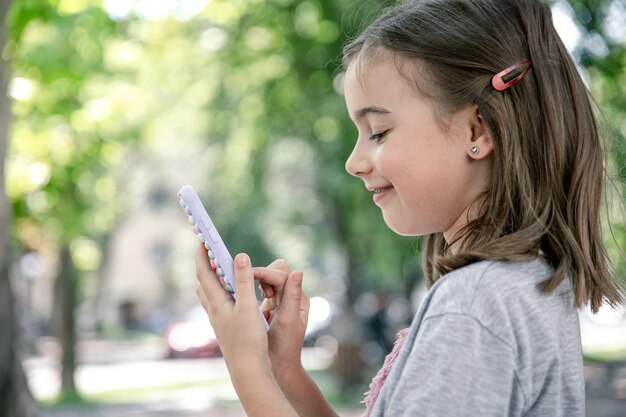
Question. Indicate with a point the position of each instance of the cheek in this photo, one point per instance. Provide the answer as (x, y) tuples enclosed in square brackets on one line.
[(414, 171), (430, 193)]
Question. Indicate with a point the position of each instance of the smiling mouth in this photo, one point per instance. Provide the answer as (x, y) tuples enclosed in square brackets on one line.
[(380, 190), (381, 193)]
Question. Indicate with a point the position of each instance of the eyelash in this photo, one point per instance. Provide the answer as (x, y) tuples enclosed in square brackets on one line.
[(378, 137)]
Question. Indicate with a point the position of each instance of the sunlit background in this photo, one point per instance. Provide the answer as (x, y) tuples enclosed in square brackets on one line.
[(118, 103)]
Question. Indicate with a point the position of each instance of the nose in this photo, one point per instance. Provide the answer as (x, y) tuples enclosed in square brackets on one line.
[(358, 163)]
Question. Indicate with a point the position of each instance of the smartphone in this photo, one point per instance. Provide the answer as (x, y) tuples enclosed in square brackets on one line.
[(220, 258)]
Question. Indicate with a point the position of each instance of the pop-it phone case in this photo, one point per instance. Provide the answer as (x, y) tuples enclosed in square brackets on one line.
[(220, 259)]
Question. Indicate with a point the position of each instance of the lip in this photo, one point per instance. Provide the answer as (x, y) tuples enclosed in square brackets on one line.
[(384, 192)]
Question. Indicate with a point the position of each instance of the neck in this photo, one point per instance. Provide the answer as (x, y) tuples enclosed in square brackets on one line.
[(470, 213)]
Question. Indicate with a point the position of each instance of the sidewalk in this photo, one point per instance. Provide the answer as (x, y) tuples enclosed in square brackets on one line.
[(130, 379), (596, 407), (201, 387), (605, 391), (152, 410)]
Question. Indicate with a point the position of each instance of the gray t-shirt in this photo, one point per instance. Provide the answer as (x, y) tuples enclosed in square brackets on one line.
[(487, 342)]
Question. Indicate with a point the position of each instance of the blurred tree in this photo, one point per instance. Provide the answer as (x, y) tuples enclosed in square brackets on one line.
[(60, 189), (15, 397)]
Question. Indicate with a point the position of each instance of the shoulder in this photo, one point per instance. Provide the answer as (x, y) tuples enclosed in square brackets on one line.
[(465, 289), (491, 321), (502, 296)]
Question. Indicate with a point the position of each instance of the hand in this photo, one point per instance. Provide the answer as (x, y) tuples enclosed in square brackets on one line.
[(242, 337), (286, 308), (238, 325)]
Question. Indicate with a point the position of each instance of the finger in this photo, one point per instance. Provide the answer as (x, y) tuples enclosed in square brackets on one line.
[(272, 280), (280, 264), (274, 276), (212, 289), (292, 297), (267, 290), (269, 304), (269, 309), (202, 297), (244, 280), (205, 304), (271, 276), (304, 309)]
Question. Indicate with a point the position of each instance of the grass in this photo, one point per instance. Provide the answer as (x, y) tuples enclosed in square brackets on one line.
[(142, 394), (608, 356), (65, 398), (122, 395)]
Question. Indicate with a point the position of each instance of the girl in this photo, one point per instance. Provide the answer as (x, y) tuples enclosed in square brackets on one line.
[(475, 130)]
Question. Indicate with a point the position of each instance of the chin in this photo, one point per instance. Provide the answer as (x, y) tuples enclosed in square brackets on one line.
[(404, 229)]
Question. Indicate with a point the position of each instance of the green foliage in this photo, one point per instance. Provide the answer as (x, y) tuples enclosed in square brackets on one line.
[(603, 53), (250, 93), (59, 164)]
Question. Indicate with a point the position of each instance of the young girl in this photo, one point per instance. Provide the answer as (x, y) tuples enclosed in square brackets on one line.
[(475, 130)]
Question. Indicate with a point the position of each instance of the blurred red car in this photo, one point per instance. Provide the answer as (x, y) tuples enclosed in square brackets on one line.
[(192, 337)]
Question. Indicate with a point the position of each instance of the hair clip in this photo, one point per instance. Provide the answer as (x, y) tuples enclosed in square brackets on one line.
[(500, 83)]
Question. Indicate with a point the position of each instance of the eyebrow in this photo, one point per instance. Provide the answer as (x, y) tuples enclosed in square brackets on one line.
[(361, 113)]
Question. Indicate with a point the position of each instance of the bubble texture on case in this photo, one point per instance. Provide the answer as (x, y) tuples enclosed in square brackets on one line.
[(219, 271)]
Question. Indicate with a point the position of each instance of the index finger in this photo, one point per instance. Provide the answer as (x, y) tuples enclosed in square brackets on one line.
[(271, 276), (280, 264), (215, 294)]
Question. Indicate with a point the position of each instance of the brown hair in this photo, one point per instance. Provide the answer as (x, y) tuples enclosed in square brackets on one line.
[(548, 178)]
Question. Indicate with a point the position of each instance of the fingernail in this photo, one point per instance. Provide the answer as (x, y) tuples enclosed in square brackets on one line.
[(242, 259), (297, 277), (268, 293)]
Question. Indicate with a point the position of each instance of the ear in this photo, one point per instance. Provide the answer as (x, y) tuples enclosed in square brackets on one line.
[(479, 143)]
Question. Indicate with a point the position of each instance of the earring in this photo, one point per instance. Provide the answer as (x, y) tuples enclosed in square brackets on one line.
[(474, 150)]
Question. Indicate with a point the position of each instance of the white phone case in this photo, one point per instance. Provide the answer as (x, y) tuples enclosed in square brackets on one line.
[(220, 258)]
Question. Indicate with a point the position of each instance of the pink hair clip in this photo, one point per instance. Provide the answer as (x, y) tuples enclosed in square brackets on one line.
[(498, 81)]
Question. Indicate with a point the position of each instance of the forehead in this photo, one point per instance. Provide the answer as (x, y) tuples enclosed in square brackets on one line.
[(380, 79), (371, 70)]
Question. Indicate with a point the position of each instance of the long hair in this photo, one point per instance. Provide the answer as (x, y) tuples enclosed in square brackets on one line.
[(548, 178)]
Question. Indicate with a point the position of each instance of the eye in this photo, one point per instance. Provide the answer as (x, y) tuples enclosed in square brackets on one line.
[(378, 137)]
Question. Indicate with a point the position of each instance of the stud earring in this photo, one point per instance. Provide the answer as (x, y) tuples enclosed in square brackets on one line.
[(474, 150)]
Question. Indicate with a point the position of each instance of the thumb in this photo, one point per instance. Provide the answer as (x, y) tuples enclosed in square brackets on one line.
[(292, 296), (244, 280)]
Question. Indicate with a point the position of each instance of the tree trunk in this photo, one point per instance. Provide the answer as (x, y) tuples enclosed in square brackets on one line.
[(15, 398), (64, 323)]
